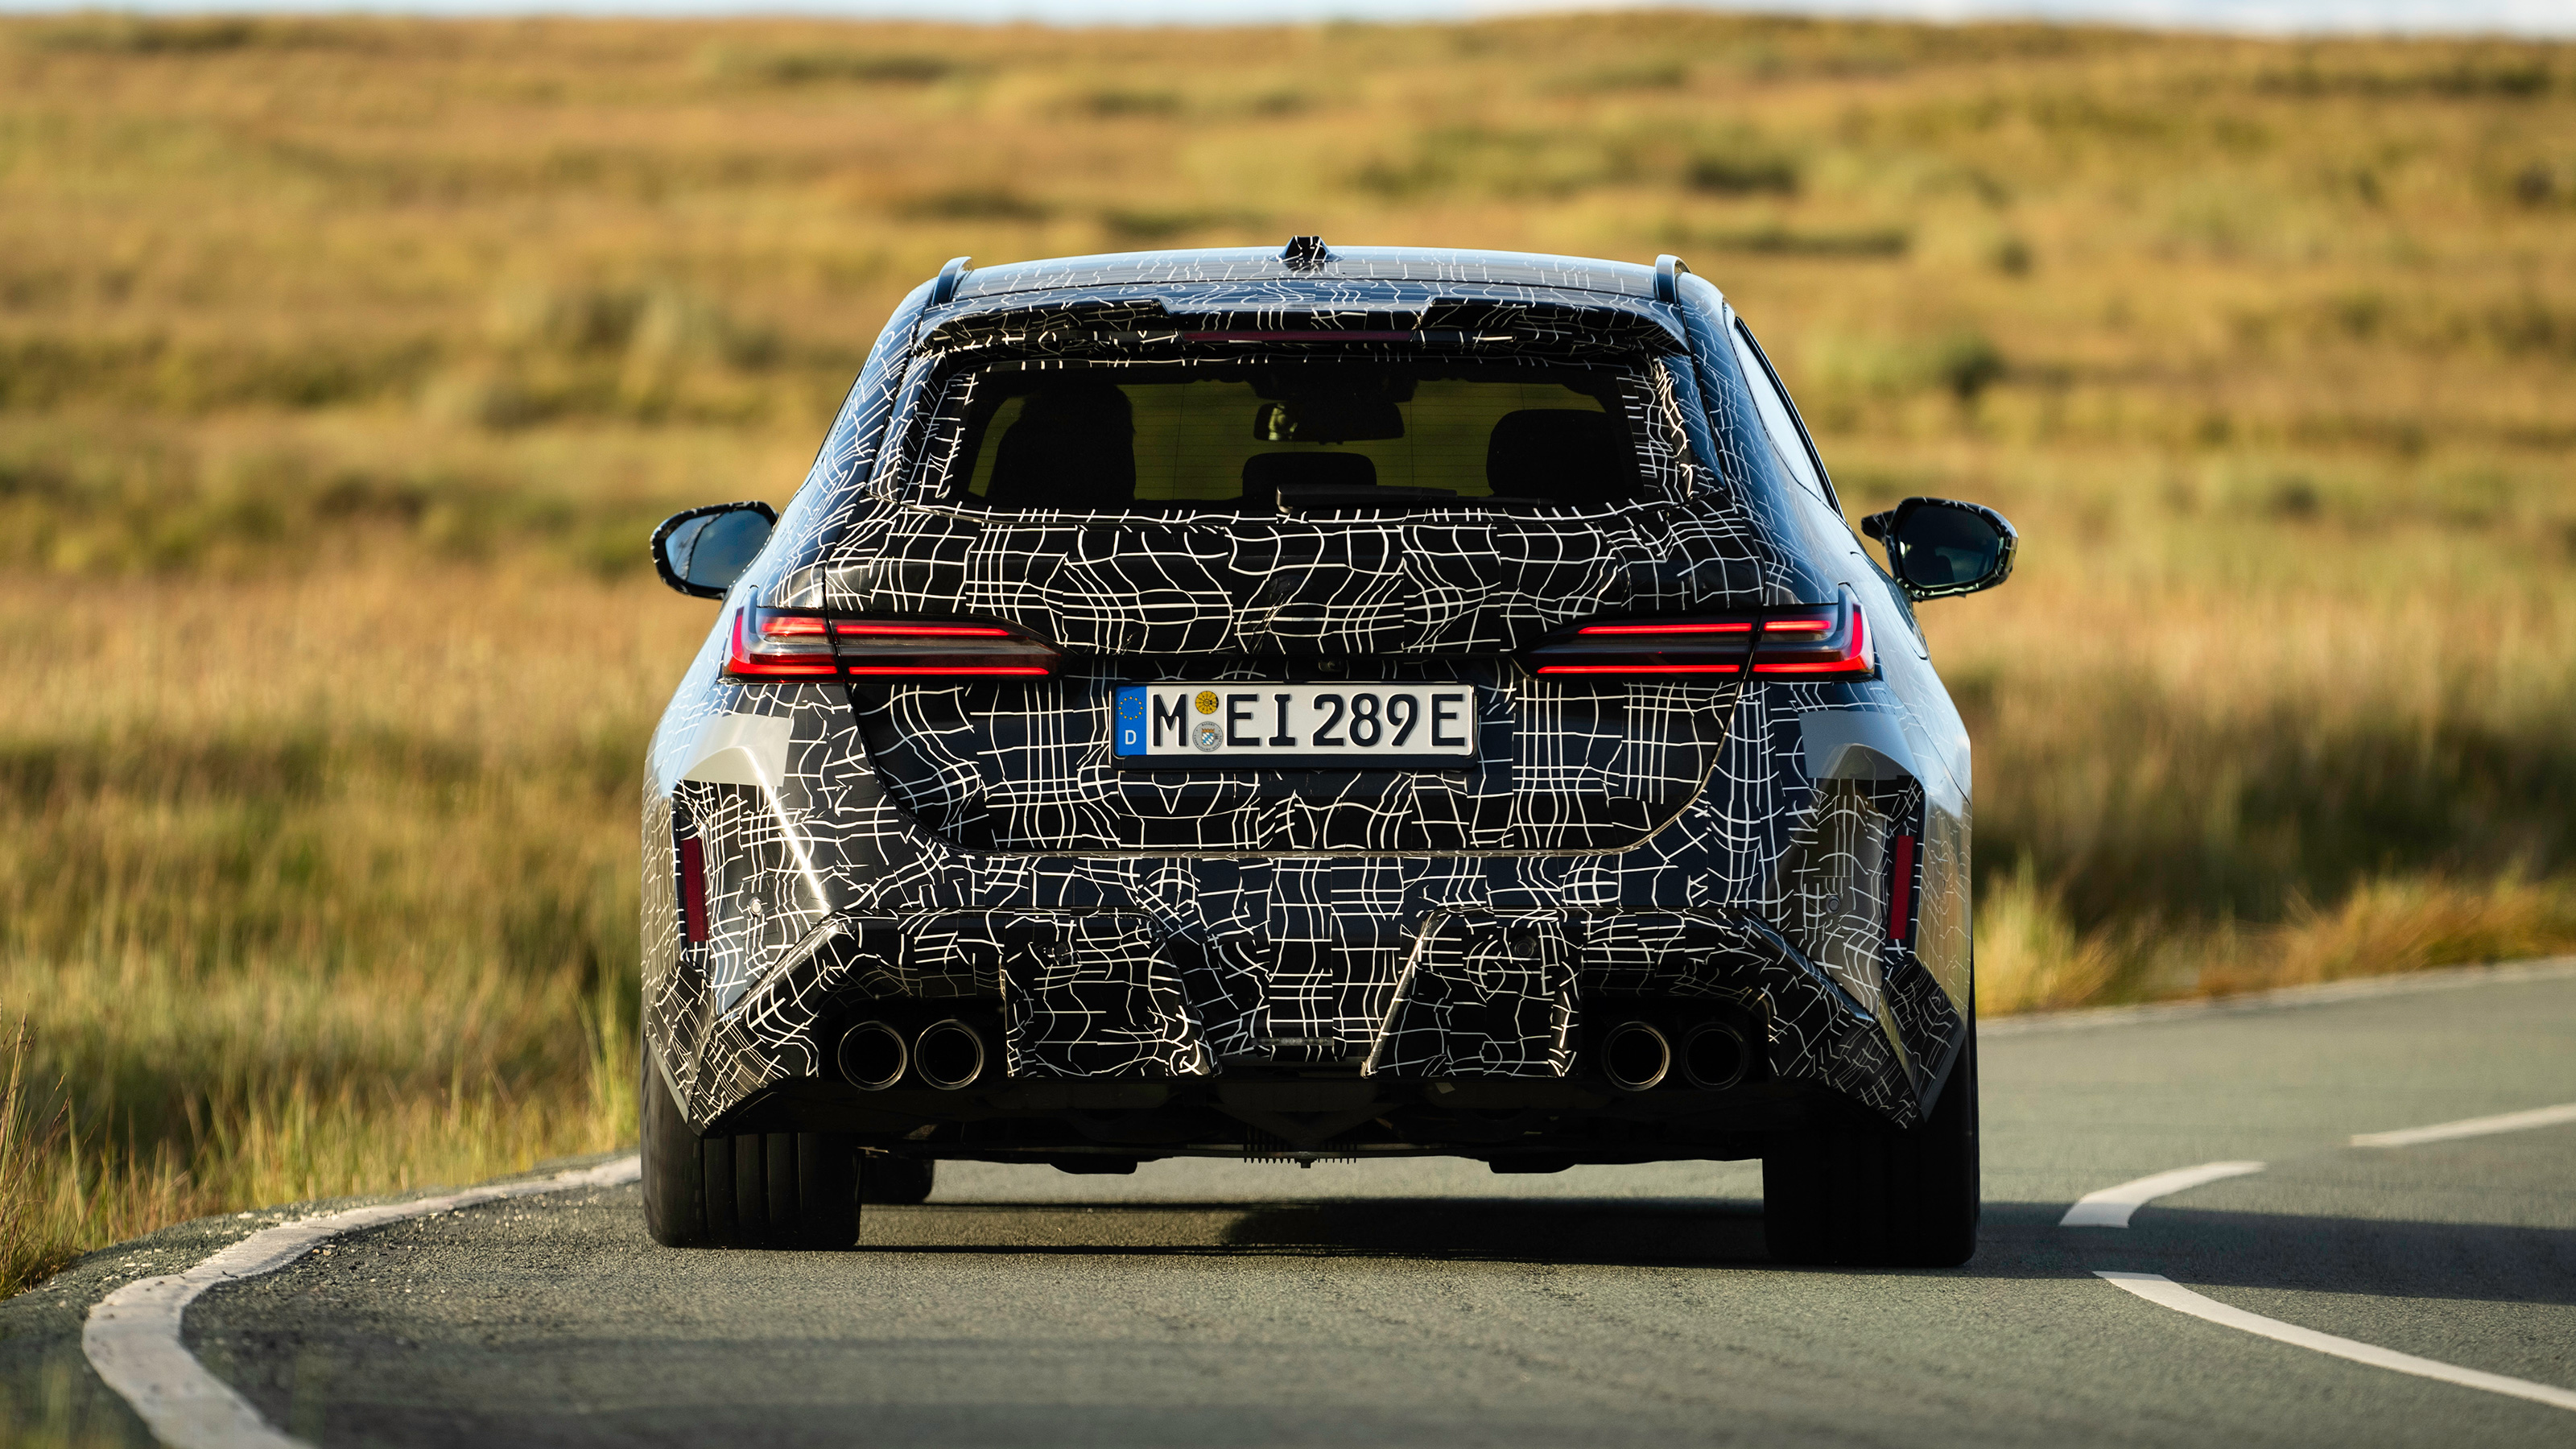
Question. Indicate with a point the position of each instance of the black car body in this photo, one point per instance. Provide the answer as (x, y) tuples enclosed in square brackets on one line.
[(1017, 806)]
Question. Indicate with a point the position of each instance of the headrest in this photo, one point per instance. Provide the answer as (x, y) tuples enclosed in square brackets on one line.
[(1565, 453), (1072, 447)]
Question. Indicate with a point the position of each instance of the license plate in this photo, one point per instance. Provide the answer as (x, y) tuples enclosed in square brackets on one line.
[(1307, 726)]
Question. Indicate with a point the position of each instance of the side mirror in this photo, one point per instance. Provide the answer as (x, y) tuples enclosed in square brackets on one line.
[(1937, 547), (701, 552)]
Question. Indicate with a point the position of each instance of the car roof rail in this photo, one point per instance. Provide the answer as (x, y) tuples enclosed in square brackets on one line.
[(943, 290), (1668, 277)]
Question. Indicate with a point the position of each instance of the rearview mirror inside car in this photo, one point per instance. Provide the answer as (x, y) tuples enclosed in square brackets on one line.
[(1327, 420), (701, 552), (1938, 547)]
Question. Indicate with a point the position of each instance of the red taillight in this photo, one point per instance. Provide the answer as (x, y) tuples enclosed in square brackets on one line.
[(693, 888), (1900, 899), (1830, 641), (771, 645), (1827, 648), (777, 644), (1693, 626)]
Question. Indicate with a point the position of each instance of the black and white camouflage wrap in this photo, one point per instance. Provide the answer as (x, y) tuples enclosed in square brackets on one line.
[(973, 842)]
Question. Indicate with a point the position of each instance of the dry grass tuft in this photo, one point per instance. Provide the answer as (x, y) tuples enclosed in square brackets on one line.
[(317, 887)]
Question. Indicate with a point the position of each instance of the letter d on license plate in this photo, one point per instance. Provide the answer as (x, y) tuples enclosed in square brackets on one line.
[(1302, 726)]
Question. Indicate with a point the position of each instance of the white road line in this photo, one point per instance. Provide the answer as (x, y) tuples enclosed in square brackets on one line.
[(2156, 1288), (2473, 1127), (2110, 1208), (132, 1336)]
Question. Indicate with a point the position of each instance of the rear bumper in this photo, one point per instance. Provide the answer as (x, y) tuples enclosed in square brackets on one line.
[(1480, 1035)]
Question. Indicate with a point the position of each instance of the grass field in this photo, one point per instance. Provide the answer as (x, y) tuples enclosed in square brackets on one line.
[(344, 364)]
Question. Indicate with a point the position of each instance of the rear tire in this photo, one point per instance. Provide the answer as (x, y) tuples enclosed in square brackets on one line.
[(746, 1190), (1892, 1199), (896, 1181)]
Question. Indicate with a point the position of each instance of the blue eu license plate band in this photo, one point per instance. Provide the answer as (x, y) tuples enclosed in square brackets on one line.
[(1359, 725)]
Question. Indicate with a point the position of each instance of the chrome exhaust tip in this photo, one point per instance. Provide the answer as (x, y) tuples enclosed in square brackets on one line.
[(873, 1056), (1635, 1056), (949, 1054), (1715, 1056)]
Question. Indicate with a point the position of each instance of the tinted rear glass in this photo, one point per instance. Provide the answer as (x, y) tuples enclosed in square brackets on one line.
[(1254, 436)]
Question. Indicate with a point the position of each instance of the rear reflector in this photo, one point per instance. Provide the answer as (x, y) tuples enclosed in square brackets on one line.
[(1828, 641), (776, 644), (693, 888), (1900, 900)]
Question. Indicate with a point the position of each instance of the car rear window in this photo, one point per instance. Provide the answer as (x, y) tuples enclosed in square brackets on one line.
[(1257, 437)]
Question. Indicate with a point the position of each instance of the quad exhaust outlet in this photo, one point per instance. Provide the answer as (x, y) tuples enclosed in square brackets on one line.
[(873, 1056), (949, 1054), (1635, 1056), (1714, 1056)]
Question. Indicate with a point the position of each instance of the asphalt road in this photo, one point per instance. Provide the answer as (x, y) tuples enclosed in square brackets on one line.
[(1213, 1304)]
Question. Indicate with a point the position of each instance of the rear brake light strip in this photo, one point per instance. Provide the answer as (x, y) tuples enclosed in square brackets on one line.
[(1673, 647), (771, 645)]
